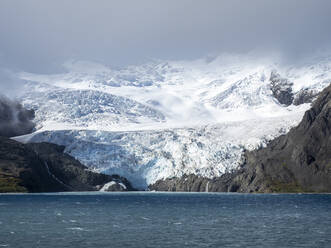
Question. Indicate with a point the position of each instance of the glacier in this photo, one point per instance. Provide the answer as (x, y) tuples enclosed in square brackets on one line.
[(164, 119)]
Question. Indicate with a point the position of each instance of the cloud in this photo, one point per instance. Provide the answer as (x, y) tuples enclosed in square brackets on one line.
[(10, 83), (39, 35), (14, 119)]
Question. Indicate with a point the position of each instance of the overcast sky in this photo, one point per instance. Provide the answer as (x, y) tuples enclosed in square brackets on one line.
[(38, 35)]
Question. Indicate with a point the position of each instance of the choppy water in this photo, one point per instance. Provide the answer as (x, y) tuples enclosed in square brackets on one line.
[(165, 220)]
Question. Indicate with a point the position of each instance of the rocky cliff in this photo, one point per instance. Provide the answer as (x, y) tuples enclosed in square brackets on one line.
[(281, 88), (43, 167), (21, 170), (299, 161), (295, 162)]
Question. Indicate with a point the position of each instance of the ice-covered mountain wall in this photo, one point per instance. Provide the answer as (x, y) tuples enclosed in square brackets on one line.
[(147, 156), (168, 118)]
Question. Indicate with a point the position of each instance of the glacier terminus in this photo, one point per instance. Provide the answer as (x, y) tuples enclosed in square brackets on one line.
[(165, 119)]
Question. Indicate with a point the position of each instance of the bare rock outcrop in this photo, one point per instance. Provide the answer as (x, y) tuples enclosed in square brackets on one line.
[(44, 167), (299, 161), (281, 88)]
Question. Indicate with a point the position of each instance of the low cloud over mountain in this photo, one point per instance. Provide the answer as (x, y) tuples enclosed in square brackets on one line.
[(14, 119)]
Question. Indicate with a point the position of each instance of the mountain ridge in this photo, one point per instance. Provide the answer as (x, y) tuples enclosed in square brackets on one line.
[(195, 117), (299, 161)]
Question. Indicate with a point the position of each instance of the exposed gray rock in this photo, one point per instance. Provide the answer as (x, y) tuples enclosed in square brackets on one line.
[(192, 183), (43, 167), (22, 170), (281, 88), (299, 161), (72, 173), (305, 96)]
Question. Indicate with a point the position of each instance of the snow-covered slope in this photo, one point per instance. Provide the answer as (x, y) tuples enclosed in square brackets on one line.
[(167, 118)]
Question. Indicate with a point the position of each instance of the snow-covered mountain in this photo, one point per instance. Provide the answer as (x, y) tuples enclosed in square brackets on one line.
[(168, 118)]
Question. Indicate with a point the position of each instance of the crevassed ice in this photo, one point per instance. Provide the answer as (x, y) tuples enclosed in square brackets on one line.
[(167, 118)]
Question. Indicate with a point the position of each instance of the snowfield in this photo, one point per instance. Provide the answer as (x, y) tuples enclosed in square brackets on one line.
[(168, 118)]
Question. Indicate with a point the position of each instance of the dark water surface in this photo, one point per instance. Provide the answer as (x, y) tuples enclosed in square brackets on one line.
[(165, 220)]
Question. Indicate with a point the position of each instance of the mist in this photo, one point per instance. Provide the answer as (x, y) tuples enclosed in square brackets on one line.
[(10, 84), (14, 119), (38, 35)]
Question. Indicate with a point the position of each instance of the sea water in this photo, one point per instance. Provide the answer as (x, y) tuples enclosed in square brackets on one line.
[(165, 220)]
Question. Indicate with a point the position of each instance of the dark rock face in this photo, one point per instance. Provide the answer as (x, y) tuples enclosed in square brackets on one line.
[(14, 119), (186, 183), (192, 183), (304, 96), (281, 89), (299, 161), (43, 167), (72, 173), (21, 170)]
